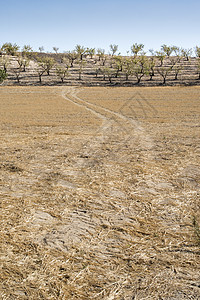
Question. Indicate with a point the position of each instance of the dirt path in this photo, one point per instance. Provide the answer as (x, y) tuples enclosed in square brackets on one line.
[(112, 118)]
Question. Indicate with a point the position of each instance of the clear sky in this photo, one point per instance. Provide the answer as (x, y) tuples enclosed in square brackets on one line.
[(99, 23)]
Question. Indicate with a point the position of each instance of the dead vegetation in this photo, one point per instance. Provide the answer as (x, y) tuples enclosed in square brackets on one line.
[(99, 193)]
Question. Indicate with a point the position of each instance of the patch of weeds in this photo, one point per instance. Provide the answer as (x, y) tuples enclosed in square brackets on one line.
[(196, 229), (10, 167)]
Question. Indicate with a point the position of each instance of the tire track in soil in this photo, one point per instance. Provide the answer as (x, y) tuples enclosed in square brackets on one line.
[(111, 122), (135, 128)]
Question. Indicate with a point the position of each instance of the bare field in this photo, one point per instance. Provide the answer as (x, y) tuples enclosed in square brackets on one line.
[(99, 192)]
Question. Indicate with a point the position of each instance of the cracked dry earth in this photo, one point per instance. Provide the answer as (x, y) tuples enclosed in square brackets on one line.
[(99, 191)]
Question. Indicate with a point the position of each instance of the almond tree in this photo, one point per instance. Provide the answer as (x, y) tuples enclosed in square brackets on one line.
[(137, 49), (47, 63), (167, 50), (140, 67), (108, 72), (41, 49), (97, 71), (72, 56), (27, 51), (187, 53), (40, 71), (17, 73), (113, 49), (10, 49), (55, 49), (197, 51), (177, 70), (23, 62), (153, 53), (164, 72), (5, 62), (3, 75), (118, 64), (100, 53), (61, 73), (198, 68), (81, 65), (174, 60), (161, 57), (80, 50), (90, 51), (151, 67), (128, 67)]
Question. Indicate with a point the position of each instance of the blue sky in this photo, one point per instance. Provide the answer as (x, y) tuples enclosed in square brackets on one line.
[(99, 23)]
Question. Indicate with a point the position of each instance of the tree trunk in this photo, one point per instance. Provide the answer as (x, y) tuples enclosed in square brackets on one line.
[(117, 73), (164, 80), (126, 77)]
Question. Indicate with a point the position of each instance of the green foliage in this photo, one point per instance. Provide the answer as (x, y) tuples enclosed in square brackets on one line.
[(197, 51), (81, 63), (61, 73), (90, 51), (46, 63), (110, 73), (5, 62), (3, 75), (152, 52), (100, 53), (27, 51), (80, 50), (23, 61), (55, 49), (128, 67), (113, 49), (164, 72), (160, 56), (198, 68), (118, 64), (186, 53), (137, 49), (10, 49), (72, 56), (177, 69), (151, 67), (167, 49), (41, 49), (140, 67), (40, 71)]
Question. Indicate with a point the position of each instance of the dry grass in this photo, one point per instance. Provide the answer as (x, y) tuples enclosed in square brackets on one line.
[(99, 193)]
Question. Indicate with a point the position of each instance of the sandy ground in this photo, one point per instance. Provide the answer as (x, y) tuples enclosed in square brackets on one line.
[(99, 192)]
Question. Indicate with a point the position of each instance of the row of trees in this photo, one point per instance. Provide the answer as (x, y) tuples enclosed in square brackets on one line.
[(112, 65), (136, 49)]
